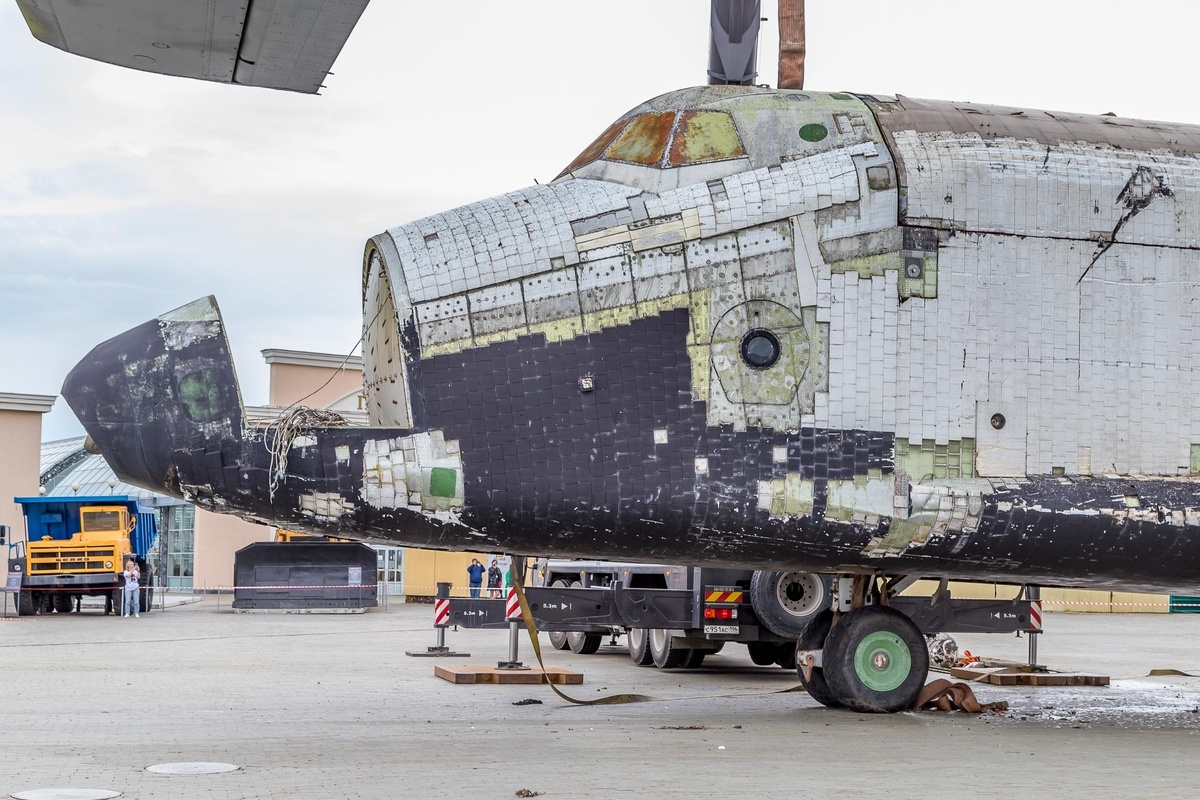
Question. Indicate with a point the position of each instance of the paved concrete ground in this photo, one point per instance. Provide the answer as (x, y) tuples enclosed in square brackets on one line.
[(330, 707)]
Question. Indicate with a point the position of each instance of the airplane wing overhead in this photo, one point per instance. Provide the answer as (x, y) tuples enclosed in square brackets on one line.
[(276, 44)]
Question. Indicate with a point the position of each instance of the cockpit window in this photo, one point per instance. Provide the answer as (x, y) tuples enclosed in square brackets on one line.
[(644, 140), (597, 147), (704, 136), (666, 139)]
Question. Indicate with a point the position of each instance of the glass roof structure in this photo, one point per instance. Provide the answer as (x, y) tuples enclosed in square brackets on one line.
[(67, 469)]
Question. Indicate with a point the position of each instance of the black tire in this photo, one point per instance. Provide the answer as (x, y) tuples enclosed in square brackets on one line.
[(695, 658), (63, 603), (558, 639), (786, 601), (665, 654), (813, 638), (875, 660), (584, 644), (118, 596), (638, 641), (785, 656), (762, 653), (26, 607)]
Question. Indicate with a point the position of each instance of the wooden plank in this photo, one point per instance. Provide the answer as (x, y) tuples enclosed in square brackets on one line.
[(1022, 676), (473, 674)]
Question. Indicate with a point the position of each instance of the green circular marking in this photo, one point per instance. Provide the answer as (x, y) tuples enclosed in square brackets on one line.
[(882, 661), (813, 132)]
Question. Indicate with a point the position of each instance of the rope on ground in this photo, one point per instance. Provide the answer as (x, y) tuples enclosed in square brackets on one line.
[(283, 431)]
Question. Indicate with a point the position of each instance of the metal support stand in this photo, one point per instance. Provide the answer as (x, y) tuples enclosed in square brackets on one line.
[(513, 613), (441, 621), (514, 636), (1033, 593)]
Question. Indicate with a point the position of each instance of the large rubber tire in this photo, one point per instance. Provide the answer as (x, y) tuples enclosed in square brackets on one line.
[(584, 644), (665, 654), (695, 658), (63, 603), (785, 656), (786, 601), (26, 607), (558, 639), (638, 641), (762, 653), (875, 660), (813, 638)]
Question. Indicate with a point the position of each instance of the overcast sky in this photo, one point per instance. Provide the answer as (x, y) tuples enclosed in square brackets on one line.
[(124, 195)]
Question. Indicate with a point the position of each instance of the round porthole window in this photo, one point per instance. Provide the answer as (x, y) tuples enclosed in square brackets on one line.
[(760, 348)]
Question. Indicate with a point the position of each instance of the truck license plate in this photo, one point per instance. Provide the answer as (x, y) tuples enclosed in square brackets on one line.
[(722, 629)]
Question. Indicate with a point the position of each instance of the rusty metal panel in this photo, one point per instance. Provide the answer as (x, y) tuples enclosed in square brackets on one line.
[(645, 140), (704, 136)]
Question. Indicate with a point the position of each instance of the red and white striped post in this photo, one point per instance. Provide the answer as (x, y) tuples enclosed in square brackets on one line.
[(441, 621), (1034, 594)]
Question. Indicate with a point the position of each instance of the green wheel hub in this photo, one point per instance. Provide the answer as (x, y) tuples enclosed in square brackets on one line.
[(882, 661)]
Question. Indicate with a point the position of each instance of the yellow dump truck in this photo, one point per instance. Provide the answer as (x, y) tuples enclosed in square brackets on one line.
[(77, 546)]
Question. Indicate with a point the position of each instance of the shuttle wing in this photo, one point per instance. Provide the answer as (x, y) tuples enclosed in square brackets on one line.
[(276, 44)]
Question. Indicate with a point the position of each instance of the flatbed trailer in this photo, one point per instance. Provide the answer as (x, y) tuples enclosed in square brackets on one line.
[(674, 616)]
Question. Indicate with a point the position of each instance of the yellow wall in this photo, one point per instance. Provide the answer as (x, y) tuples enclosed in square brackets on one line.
[(424, 568), (1076, 600)]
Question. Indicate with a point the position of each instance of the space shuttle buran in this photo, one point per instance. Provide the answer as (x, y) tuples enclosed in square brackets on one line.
[(776, 329)]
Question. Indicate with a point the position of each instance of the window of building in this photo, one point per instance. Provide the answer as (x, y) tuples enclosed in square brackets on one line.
[(179, 523)]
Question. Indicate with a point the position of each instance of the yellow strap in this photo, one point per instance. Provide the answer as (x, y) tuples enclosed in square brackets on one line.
[(527, 616), (612, 699)]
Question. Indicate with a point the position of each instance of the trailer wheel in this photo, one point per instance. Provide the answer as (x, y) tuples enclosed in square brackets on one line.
[(25, 604), (762, 653), (695, 658), (786, 601), (666, 655), (584, 644), (558, 639), (876, 660), (63, 603), (813, 638), (785, 656), (638, 640)]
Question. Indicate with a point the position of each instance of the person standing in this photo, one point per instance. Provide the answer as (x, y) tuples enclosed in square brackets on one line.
[(475, 576), (132, 576), (495, 578)]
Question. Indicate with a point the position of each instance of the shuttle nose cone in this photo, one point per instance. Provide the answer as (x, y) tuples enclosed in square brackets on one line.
[(149, 391)]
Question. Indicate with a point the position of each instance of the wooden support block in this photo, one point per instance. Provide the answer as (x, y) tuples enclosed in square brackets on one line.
[(468, 674), (1023, 676)]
